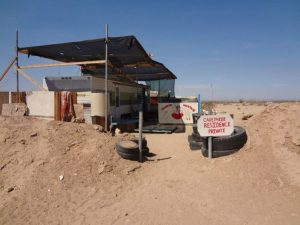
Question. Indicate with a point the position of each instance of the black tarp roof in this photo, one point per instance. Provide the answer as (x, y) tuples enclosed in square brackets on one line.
[(125, 54)]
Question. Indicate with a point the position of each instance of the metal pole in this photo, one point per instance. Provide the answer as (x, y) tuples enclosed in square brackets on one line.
[(17, 59), (106, 54), (140, 135), (158, 89), (199, 104), (209, 147)]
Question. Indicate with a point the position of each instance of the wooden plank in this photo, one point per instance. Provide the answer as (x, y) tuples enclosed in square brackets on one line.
[(74, 97), (57, 106), (18, 97), (8, 68), (31, 80), (62, 64)]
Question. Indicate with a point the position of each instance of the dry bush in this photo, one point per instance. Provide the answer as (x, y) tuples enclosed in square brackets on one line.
[(208, 105)]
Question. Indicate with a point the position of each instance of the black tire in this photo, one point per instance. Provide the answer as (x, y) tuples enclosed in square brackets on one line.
[(234, 141), (196, 117), (130, 147), (128, 156), (197, 137), (195, 129), (194, 145), (216, 154), (144, 142), (146, 151), (127, 146)]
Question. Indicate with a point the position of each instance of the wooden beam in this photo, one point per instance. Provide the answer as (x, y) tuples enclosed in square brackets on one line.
[(31, 80), (8, 68), (62, 64)]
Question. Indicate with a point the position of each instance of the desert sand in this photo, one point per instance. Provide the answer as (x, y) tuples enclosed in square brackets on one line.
[(65, 173)]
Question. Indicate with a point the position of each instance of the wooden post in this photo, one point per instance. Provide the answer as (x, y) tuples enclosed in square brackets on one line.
[(31, 80), (8, 68), (62, 64), (57, 106)]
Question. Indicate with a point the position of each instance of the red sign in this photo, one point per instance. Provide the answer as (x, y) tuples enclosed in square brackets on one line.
[(215, 125)]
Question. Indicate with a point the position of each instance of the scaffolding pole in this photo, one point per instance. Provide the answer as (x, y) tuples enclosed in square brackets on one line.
[(17, 60), (106, 54)]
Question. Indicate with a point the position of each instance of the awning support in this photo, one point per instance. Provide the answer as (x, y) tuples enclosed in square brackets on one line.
[(106, 64), (62, 64), (8, 68), (30, 79)]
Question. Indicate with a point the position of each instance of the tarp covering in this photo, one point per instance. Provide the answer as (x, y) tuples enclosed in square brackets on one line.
[(126, 56)]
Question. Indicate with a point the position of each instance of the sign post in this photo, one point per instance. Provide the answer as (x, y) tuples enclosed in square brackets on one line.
[(214, 126)]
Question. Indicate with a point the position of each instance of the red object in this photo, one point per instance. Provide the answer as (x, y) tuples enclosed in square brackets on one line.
[(66, 105), (153, 101), (177, 115)]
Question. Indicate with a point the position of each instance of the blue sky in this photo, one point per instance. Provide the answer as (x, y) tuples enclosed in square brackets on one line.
[(239, 49)]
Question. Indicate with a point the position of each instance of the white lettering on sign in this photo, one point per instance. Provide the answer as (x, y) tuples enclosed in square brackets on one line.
[(215, 125)]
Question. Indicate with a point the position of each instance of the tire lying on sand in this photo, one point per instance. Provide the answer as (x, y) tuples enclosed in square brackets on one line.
[(130, 156), (227, 144), (144, 141), (197, 137), (195, 129), (194, 144), (130, 150), (216, 154)]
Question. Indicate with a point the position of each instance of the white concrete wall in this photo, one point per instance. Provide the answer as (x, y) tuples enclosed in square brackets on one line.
[(40, 103)]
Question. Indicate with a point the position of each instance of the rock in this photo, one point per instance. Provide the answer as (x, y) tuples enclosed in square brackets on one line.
[(133, 169), (117, 131), (78, 120), (246, 117), (34, 134), (23, 141), (41, 163), (98, 128), (14, 109), (10, 189), (101, 168), (61, 177), (72, 144), (296, 141)]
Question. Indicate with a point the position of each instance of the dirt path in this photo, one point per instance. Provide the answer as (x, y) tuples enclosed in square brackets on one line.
[(257, 185), (250, 187)]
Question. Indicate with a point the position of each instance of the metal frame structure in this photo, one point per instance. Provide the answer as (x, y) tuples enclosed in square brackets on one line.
[(19, 69)]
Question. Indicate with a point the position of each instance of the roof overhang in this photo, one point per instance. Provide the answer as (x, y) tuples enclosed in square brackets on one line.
[(126, 57)]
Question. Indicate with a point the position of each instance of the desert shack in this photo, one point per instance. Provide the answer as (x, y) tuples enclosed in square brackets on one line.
[(115, 82)]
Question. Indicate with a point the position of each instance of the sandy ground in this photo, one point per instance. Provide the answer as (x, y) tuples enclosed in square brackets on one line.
[(260, 184)]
